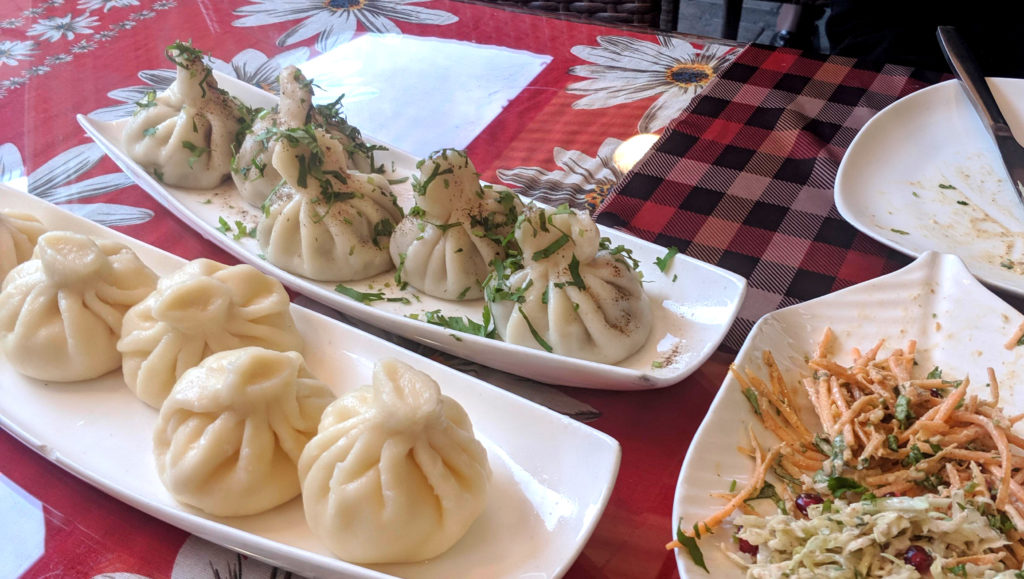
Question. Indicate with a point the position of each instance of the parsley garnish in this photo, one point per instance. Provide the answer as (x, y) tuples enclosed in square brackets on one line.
[(666, 260), (365, 297), (533, 331), (196, 150), (550, 249), (241, 230), (690, 544)]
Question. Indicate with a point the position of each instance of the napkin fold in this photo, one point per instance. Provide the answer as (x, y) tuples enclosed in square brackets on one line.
[(744, 177)]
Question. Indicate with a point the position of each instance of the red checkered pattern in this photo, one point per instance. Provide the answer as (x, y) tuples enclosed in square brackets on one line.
[(743, 179)]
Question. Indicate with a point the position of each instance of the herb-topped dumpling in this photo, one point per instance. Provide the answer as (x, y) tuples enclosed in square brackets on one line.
[(185, 135), (325, 223), (573, 295), (253, 171), (446, 245)]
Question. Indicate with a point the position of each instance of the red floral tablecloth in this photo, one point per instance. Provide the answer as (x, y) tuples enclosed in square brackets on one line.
[(742, 179)]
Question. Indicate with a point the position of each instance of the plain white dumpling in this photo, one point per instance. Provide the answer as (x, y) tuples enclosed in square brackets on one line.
[(202, 308), (184, 136), (254, 173), (232, 429), (331, 227), (61, 311), (18, 234), (571, 297), (395, 473), (446, 245)]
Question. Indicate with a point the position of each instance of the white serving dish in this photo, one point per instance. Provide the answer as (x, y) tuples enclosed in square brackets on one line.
[(960, 326), (694, 303), (552, 475), (894, 183)]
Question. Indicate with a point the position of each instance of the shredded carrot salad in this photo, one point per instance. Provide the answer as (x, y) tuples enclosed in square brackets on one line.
[(883, 431)]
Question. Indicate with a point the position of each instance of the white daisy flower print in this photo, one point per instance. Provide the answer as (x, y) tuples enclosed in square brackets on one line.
[(14, 51), (83, 46), (106, 5), (583, 182), (334, 21), (55, 181), (250, 65), (58, 27), (58, 59), (11, 23), (629, 69)]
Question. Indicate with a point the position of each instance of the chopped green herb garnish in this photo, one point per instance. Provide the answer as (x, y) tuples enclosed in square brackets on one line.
[(551, 249), (534, 332), (365, 297), (666, 260), (690, 544)]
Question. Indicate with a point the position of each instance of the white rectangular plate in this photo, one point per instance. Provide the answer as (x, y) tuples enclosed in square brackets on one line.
[(694, 303), (960, 326), (552, 475), (924, 175)]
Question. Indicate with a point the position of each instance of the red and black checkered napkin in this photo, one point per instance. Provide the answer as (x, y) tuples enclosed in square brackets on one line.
[(743, 179)]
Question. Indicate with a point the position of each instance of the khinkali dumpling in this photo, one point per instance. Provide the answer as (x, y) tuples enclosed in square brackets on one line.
[(571, 297), (446, 245), (232, 429), (326, 223), (254, 173), (394, 473), (184, 136), (61, 311), (202, 308), (18, 234)]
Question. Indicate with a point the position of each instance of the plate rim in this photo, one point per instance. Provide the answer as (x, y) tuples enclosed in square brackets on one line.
[(843, 195)]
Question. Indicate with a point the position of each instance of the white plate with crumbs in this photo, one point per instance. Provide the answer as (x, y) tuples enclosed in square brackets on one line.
[(959, 325), (551, 480), (924, 175), (694, 303)]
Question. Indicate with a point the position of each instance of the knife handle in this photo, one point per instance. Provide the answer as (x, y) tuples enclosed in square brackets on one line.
[(970, 76)]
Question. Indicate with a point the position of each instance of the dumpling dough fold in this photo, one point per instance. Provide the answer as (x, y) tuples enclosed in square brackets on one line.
[(18, 234), (395, 473), (202, 308), (232, 429), (184, 136), (446, 245), (61, 311), (571, 297), (326, 223), (254, 173)]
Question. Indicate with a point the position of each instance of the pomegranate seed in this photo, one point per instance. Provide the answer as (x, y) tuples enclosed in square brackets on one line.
[(805, 500), (918, 558), (746, 547)]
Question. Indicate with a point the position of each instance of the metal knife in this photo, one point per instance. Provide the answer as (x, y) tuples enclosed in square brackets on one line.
[(978, 92)]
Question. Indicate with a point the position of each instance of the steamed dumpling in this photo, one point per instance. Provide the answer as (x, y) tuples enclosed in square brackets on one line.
[(446, 245), (61, 311), (184, 136), (254, 173), (326, 223), (232, 429), (571, 297), (18, 234), (394, 473), (202, 308)]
